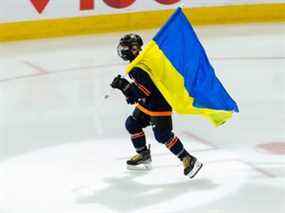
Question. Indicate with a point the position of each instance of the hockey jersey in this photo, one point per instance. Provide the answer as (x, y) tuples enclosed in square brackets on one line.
[(147, 97)]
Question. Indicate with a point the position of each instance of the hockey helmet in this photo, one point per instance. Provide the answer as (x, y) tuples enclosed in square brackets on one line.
[(127, 44)]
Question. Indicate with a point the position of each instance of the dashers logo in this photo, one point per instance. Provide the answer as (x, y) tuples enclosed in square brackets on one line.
[(40, 5)]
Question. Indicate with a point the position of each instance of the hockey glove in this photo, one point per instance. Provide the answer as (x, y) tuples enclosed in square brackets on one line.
[(128, 89), (120, 83)]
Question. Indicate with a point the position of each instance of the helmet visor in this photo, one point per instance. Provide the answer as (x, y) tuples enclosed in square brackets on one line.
[(124, 52)]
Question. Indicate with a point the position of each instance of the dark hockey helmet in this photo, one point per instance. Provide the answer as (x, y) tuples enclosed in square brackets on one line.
[(127, 44)]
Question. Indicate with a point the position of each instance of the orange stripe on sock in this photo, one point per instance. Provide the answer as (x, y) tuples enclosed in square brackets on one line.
[(137, 135), (172, 143)]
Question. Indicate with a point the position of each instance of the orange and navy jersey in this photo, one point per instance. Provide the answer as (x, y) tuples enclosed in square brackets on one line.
[(149, 100)]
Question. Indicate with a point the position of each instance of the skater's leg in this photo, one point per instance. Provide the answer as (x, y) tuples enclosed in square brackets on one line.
[(162, 128), (135, 124)]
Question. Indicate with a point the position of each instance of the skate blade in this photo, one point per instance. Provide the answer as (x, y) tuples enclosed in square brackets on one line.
[(197, 166), (141, 167)]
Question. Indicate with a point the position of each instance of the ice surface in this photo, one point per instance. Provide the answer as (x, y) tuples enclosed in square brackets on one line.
[(63, 145)]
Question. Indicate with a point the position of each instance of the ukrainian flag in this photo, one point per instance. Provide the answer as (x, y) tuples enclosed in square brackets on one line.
[(179, 67)]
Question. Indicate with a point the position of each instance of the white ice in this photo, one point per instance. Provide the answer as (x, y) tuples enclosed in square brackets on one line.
[(63, 145)]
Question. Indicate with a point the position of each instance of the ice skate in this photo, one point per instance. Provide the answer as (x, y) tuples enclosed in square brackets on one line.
[(140, 161), (191, 166)]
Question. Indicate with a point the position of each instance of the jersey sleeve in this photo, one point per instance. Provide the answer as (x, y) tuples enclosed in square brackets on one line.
[(142, 81)]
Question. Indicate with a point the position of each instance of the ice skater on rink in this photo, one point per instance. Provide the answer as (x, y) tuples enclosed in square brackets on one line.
[(151, 109)]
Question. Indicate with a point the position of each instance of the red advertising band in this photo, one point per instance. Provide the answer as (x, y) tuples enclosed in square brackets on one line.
[(89, 4)]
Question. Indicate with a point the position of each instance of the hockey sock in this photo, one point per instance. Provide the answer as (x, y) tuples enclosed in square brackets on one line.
[(176, 147), (139, 142)]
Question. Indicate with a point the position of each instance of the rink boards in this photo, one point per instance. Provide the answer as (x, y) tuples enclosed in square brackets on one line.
[(135, 20)]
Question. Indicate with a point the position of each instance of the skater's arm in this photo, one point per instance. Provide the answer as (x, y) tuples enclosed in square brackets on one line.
[(142, 81), (141, 88)]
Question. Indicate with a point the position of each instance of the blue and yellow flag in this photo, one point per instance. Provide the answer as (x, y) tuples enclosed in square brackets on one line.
[(178, 65)]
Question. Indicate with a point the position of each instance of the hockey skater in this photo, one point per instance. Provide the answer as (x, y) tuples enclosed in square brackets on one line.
[(151, 109)]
